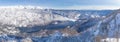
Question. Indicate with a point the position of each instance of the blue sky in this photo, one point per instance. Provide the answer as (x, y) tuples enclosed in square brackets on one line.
[(65, 4)]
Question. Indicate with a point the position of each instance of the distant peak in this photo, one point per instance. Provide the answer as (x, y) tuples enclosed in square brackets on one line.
[(22, 7)]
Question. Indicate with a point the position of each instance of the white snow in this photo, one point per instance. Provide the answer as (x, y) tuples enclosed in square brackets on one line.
[(25, 16), (22, 7), (19, 16), (95, 16), (111, 40)]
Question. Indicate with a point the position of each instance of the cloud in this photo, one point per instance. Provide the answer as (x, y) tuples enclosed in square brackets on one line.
[(85, 4), (93, 7)]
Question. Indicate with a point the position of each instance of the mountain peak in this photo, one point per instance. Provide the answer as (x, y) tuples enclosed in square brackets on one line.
[(22, 7)]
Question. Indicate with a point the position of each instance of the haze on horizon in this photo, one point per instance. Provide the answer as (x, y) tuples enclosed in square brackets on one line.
[(65, 4)]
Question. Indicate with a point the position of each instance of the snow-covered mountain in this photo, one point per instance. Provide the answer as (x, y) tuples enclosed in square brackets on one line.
[(33, 23)]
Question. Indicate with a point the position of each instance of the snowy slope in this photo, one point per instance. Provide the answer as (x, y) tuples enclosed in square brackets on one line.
[(40, 24), (25, 17), (19, 16)]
